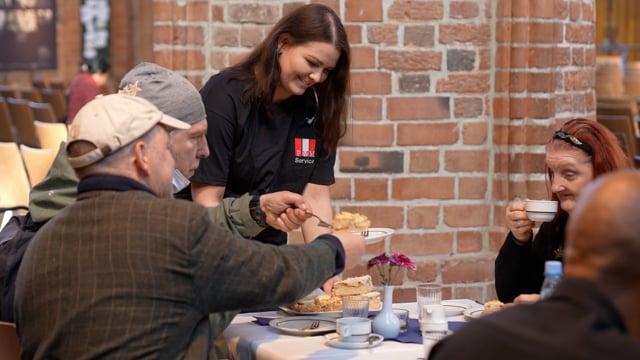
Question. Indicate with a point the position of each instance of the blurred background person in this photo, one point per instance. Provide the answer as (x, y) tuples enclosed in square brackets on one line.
[(576, 154), (87, 85)]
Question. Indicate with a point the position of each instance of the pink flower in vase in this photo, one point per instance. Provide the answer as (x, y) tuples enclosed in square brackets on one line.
[(389, 266)]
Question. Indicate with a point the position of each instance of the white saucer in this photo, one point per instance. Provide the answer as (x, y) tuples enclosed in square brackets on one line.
[(335, 340)]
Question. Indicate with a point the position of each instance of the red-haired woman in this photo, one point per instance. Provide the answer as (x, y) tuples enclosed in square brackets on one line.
[(576, 154)]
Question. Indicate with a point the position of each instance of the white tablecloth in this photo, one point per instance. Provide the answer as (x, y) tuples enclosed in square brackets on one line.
[(247, 340)]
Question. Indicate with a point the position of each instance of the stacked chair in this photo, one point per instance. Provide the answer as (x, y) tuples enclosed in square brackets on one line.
[(37, 162), (8, 91), (6, 127), (30, 136), (50, 134), (43, 111), (632, 78), (609, 76), (58, 101), (31, 94), (620, 115), (23, 120), (14, 192)]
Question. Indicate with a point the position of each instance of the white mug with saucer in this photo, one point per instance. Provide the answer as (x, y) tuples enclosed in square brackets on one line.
[(353, 329)]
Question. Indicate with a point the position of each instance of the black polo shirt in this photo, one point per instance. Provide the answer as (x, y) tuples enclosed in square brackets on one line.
[(258, 152)]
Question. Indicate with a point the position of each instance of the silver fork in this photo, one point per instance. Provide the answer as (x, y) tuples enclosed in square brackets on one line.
[(321, 222), (365, 233), (314, 325)]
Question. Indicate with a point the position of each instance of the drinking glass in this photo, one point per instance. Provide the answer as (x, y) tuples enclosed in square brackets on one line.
[(355, 306), (428, 294)]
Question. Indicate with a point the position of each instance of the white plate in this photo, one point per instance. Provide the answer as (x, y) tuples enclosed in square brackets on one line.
[(376, 234), (299, 325), (474, 312), (454, 308), (335, 340), (337, 313)]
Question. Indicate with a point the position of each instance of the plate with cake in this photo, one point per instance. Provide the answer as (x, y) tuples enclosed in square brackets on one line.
[(327, 305), (488, 308), (358, 223), (376, 234)]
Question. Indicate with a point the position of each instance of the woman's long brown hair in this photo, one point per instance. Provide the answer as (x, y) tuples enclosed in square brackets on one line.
[(313, 22)]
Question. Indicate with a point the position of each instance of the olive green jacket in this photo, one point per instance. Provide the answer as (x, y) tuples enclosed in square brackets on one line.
[(58, 189)]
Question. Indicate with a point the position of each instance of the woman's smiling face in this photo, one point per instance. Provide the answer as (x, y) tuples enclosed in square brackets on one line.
[(302, 66), (570, 171)]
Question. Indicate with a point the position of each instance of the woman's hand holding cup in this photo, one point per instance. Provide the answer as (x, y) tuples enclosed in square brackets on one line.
[(518, 222)]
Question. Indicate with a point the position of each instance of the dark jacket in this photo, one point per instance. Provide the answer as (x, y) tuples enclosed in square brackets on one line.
[(577, 322), (130, 275), (519, 268)]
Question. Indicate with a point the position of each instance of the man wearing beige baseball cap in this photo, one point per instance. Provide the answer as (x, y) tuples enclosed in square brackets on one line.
[(129, 272)]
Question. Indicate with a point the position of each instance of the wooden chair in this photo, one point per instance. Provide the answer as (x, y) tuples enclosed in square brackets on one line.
[(58, 85), (9, 342), (618, 100), (22, 118), (57, 100), (6, 127), (629, 110), (37, 162), (31, 94), (15, 187), (39, 83), (8, 91), (43, 111), (622, 127), (609, 75), (51, 134)]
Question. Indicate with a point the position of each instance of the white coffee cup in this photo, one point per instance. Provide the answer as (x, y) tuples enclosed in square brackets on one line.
[(541, 210), (353, 329)]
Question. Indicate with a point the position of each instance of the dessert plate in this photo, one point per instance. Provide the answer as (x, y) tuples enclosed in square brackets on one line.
[(376, 234), (335, 340), (474, 312), (301, 325), (454, 308)]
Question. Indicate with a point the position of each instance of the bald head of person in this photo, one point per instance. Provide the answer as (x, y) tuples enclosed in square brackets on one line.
[(603, 241)]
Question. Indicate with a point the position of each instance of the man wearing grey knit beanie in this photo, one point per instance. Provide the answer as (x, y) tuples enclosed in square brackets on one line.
[(176, 96)]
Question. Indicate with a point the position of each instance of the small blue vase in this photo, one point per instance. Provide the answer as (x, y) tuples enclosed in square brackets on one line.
[(386, 323)]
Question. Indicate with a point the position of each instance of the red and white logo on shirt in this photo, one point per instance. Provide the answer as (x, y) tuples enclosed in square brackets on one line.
[(305, 147)]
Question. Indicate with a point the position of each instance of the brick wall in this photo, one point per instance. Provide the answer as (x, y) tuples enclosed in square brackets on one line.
[(452, 103)]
